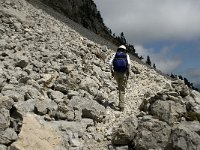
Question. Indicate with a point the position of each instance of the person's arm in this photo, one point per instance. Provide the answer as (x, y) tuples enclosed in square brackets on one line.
[(129, 65)]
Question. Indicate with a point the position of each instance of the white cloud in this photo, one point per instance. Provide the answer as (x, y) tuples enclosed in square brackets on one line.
[(152, 20), (194, 73), (163, 63)]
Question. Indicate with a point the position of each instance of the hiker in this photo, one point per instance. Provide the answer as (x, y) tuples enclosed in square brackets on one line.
[(120, 69)]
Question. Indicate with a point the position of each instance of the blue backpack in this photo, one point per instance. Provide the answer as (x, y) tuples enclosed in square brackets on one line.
[(120, 63)]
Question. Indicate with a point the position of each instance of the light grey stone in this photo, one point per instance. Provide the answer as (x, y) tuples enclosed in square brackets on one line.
[(2, 81), (147, 118), (24, 107), (77, 115), (167, 111), (196, 96), (72, 126), (6, 102), (8, 87), (4, 119), (152, 134), (68, 68), (75, 143), (17, 25), (37, 64), (55, 94), (104, 48), (173, 93), (122, 148), (15, 95), (42, 107), (87, 122), (3, 43), (88, 83), (185, 136), (98, 137), (90, 109), (60, 87), (33, 93), (3, 147), (126, 131), (73, 139), (93, 110), (7, 136), (181, 88), (101, 96), (72, 93), (70, 115)]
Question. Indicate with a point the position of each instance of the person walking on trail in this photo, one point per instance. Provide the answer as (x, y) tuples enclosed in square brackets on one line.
[(120, 69)]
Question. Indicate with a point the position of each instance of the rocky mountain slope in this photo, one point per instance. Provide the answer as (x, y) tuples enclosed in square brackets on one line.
[(56, 92)]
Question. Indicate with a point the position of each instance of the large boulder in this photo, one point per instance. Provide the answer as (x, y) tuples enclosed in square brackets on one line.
[(152, 134), (192, 102), (90, 108), (185, 136), (36, 135), (44, 106), (167, 111), (125, 133), (24, 107)]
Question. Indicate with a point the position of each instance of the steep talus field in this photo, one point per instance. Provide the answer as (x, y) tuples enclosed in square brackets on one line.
[(57, 93)]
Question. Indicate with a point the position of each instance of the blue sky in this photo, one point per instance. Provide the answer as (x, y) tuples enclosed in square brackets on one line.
[(166, 30)]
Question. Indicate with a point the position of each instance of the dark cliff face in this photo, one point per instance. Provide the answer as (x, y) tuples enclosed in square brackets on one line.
[(81, 11)]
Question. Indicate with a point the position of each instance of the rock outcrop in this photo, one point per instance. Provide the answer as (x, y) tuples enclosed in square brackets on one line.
[(56, 91)]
